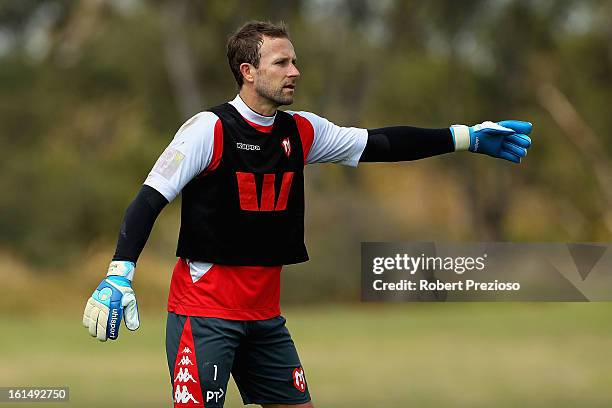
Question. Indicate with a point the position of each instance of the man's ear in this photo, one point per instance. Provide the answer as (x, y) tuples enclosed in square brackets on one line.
[(247, 71)]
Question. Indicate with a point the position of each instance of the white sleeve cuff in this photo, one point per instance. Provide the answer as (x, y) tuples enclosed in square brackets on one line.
[(461, 135), (159, 183), (361, 140)]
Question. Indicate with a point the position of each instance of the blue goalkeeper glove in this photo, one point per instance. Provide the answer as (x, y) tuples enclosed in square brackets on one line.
[(504, 140), (113, 299)]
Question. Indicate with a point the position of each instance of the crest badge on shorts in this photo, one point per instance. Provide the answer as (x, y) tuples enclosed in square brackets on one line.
[(286, 146), (299, 381)]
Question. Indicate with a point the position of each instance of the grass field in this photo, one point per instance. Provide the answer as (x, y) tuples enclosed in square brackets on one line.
[(412, 355)]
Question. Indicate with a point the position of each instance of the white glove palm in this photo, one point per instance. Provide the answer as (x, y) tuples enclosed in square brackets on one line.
[(112, 299)]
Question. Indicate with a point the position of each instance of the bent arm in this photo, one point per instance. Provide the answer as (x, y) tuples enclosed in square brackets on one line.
[(138, 223), (401, 143)]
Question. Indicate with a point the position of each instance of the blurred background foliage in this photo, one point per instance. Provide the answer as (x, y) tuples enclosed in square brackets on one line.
[(92, 91)]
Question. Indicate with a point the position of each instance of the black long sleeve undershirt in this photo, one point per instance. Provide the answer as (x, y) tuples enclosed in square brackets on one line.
[(401, 143), (138, 223)]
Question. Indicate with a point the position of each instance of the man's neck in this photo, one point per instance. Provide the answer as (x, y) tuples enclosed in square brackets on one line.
[(257, 103)]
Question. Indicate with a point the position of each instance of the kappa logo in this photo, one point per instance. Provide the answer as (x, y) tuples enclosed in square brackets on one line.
[(299, 381), (246, 146), (184, 375), (187, 350), (286, 146), (185, 361), (183, 396)]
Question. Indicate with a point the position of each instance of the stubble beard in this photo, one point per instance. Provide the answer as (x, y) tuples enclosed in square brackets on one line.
[(274, 95)]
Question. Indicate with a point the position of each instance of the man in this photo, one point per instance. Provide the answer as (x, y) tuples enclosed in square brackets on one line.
[(239, 167)]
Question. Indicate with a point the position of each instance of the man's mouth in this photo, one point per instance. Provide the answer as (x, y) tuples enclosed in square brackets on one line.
[(289, 86)]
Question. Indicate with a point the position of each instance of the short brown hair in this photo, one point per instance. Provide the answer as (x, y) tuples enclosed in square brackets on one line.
[(243, 46)]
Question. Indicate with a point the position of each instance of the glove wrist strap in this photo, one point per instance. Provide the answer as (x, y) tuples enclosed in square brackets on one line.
[(121, 268), (461, 136)]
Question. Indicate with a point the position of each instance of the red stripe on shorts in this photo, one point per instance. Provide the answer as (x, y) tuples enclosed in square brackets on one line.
[(186, 381)]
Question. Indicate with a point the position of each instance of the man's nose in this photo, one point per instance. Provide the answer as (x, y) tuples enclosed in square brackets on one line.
[(293, 71)]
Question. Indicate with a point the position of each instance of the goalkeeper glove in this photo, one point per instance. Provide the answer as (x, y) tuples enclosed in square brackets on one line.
[(505, 140), (113, 298)]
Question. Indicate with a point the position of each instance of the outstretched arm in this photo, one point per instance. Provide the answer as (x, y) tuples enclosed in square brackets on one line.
[(506, 140), (400, 143)]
